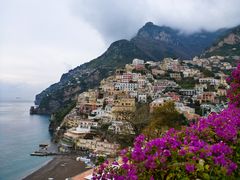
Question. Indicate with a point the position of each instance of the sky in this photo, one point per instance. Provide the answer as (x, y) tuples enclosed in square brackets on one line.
[(42, 39)]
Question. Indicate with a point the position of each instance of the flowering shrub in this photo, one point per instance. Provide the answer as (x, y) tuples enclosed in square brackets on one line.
[(207, 149), (234, 91)]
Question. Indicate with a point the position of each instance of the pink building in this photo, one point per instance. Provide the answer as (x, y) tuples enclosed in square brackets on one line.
[(126, 77)]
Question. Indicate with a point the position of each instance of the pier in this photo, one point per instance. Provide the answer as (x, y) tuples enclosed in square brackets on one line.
[(39, 153), (44, 151)]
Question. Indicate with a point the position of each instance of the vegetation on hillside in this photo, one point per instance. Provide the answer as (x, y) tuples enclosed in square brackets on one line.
[(163, 118), (207, 149), (59, 115), (188, 83), (221, 48), (148, 45)]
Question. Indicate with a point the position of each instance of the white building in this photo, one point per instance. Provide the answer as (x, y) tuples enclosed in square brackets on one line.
[(209, 80), (158, 102), (142, 97), (191, 73), (137, 62), (97, 113), (121, 127), (141, 83), (133, 94), (188, 92), (74, 133), (126, 86), (200, 88)]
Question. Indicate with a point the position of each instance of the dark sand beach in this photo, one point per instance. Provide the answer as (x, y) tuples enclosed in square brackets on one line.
[(60, 168)]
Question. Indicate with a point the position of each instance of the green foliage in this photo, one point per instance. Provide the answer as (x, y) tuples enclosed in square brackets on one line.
[(187, 83), (226, 50), (167, 115), (104, 127), (197, 108), (100, 160), (125, 140), (162, 118), (45, 102), (118, 54), (143, 72), (138, 119), (227, 72), (206, 72), (64, 110), (141, 117)]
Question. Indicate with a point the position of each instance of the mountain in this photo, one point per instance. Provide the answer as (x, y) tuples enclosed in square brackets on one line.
[(226, 45), (152, 42), (87, 76), (161, 41)]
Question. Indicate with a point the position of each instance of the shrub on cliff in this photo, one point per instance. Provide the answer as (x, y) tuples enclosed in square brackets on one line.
[(207, 149), (234, 91)]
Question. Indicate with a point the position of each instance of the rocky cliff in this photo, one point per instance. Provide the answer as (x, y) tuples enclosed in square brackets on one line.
[(226, 45)]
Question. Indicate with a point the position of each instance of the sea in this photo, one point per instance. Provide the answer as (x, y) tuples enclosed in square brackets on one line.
[(20, 135)]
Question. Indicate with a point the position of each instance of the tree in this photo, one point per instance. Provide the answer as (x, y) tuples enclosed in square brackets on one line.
[(207, 73), (138, 119), (162, 118)]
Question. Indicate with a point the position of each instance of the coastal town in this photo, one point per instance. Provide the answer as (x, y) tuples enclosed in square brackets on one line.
[(107, 119), (115, 90), (196, 87)]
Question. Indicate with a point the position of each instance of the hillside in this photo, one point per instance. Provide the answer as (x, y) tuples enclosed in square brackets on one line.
[(161, 41), (86, 76), (227, 45), (152, 42)]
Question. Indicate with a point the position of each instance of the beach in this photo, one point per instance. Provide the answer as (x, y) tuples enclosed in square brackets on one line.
[(59, 168)]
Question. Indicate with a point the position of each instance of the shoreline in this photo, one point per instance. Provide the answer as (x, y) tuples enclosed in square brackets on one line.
[(60, 167), (36, 168)]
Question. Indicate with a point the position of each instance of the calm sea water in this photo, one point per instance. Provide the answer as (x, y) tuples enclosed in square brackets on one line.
[(20, 134)]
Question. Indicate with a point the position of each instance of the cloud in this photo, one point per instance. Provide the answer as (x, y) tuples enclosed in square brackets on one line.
[(121, 19), (40, 40)]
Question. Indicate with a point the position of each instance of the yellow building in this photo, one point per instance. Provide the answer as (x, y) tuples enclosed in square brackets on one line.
[(98, 146), (87, 102), (72, 122), (124, 104)]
